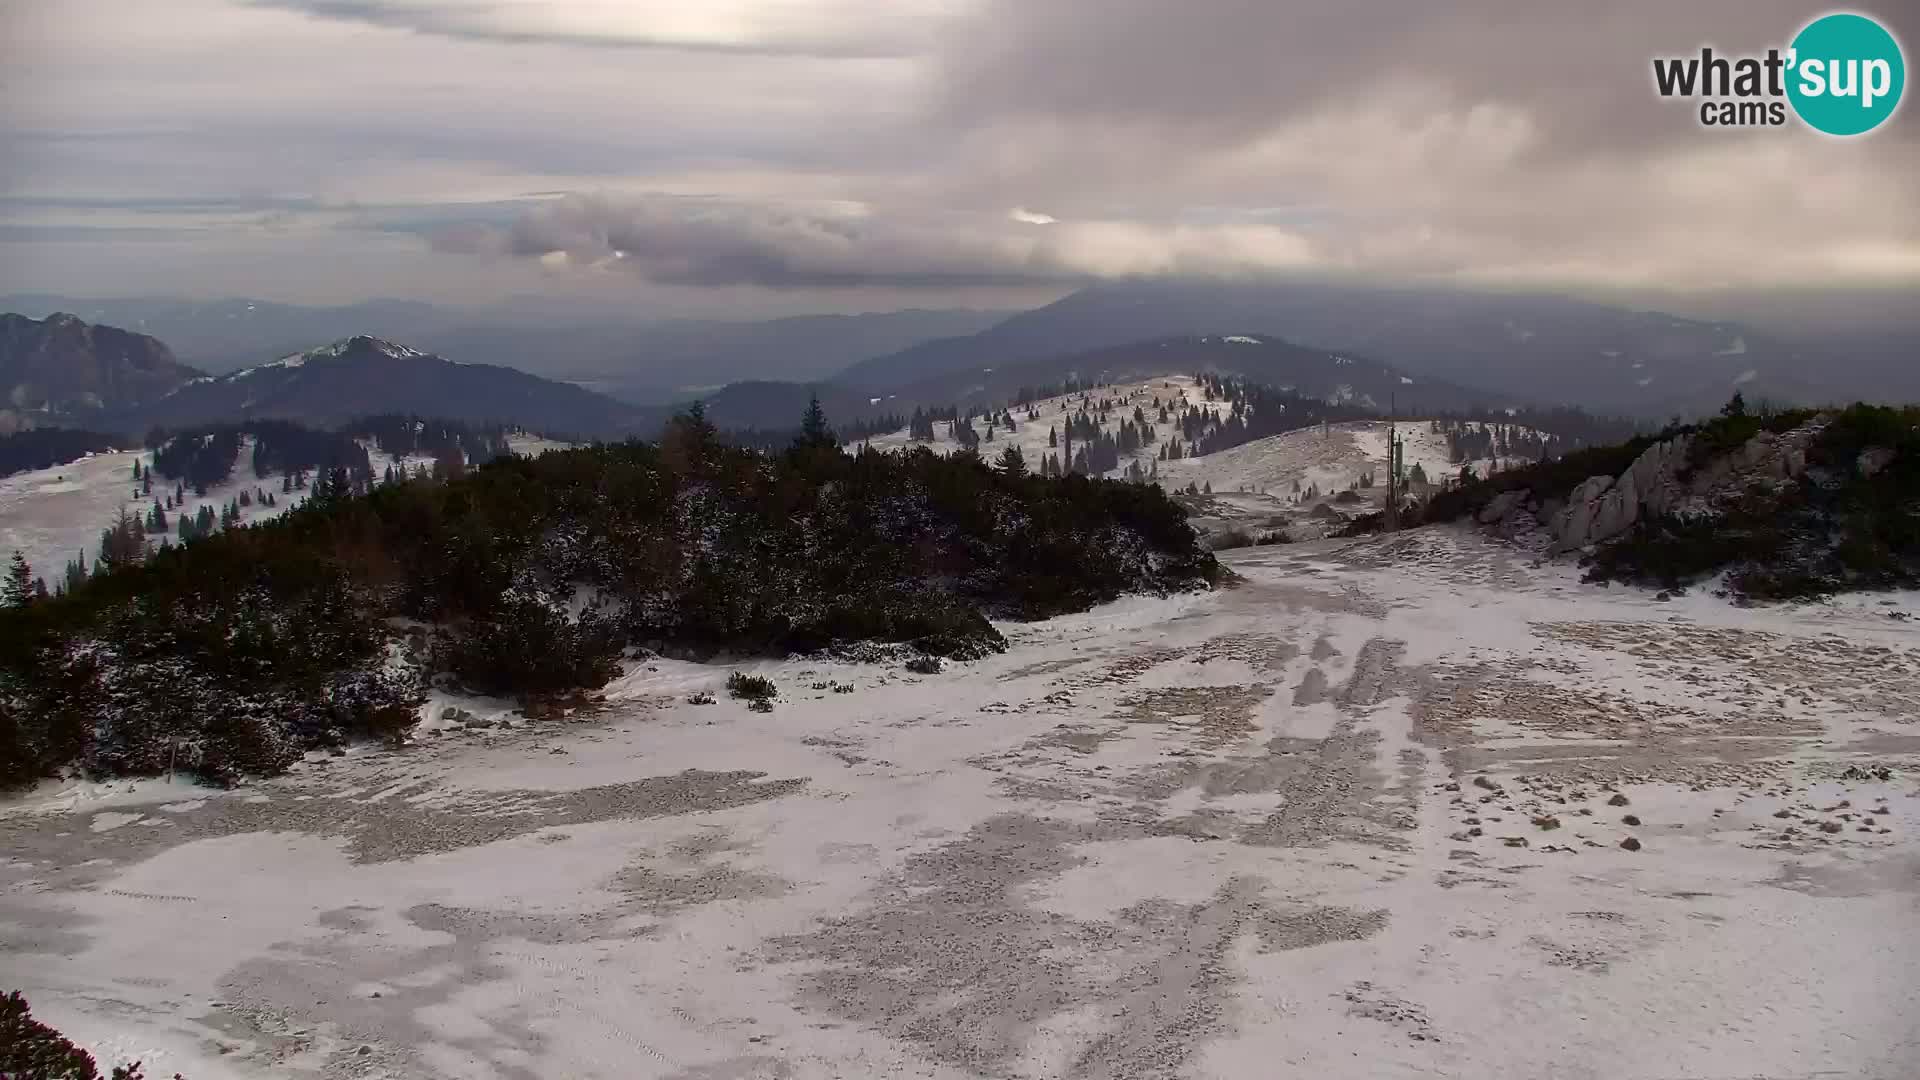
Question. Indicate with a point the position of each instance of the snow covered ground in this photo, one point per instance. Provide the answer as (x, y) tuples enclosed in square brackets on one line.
[(535, 445), (51, 515), (1359, 816), (1254, 481), (1179, 391)]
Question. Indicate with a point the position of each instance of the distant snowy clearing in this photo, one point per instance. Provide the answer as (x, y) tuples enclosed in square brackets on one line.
[(52, 515)]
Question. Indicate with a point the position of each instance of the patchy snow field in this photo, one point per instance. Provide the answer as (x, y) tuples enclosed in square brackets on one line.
[(1179, 391), (1358, 816), (1253, 483), (50, 515), (1329, 459)]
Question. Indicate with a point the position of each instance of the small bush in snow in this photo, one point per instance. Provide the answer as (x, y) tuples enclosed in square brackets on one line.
[(701, 698), (925, 665), (751, 688)]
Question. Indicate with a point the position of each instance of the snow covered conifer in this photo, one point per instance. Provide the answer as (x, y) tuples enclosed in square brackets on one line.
[(18, 591)]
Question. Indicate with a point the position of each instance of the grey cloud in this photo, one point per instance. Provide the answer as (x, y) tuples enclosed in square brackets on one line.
[(11, 233), (1480, 140), (878, 32), (1204, 71), (683, 241), (180, 204)]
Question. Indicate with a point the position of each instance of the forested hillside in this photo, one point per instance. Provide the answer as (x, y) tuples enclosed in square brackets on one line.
[(239, 649), (38, 448)]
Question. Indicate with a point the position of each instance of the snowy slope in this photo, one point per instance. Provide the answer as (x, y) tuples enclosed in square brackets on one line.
[(1031, 436), (1329, 459), (1360, 816), (1253, 483), (534, 445), (51, 515)]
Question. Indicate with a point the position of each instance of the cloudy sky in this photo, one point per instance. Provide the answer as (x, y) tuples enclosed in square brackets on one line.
[(754, 156)]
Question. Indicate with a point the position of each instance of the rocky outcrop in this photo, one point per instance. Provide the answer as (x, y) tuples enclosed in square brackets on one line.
[(1603, 508), (1659, 482), (1503, 505), (1575, 522)]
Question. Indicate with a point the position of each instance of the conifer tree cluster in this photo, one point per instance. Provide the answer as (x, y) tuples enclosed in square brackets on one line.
[(239, 648)]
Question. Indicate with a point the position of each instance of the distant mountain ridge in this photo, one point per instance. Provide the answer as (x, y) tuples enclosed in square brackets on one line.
[(62, 370), (1334, 377), (634, 357), (364, 375), (1534, 347)]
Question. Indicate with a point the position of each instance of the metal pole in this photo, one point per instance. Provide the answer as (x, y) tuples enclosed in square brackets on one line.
[(1393, 455)]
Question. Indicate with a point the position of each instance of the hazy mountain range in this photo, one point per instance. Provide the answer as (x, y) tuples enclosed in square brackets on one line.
[(1429, 349), (635, 360), (1539, 348)]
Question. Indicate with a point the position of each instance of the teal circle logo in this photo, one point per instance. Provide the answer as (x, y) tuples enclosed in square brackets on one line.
[(1845, 74)]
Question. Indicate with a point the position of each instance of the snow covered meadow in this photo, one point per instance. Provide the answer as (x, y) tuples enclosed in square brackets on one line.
[(1405, 806), (1274, 480), (52, 515)]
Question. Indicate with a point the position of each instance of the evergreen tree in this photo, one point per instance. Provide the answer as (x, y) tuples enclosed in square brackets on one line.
[(1012, 461), (124, 543), (690, 437), (1736, 406), (814, 431), (18, 591)]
